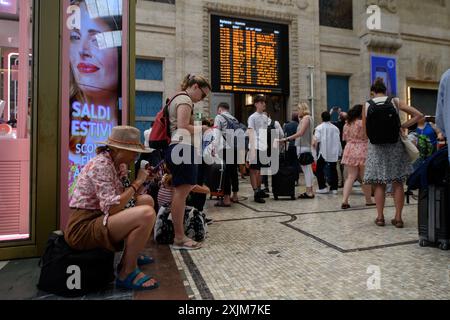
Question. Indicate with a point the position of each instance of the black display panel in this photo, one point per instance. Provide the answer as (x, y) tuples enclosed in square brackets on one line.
[(249, 56)]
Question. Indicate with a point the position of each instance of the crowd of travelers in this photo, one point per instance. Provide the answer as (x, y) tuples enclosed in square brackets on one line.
[(103, 217)]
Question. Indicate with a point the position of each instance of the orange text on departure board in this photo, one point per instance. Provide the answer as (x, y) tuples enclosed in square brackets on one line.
[(248, 56)]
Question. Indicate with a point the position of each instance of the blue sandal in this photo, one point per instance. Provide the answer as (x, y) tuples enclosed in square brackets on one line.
[(144, 260), (139, 285)]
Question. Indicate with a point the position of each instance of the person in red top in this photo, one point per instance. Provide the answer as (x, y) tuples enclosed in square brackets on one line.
[(98, 218)]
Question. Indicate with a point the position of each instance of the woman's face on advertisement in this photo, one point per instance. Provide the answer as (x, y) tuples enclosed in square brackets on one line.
[(95, 69)]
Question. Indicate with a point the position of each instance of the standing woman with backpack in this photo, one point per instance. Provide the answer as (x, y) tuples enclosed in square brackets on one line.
[(387, 158), (184, 175)]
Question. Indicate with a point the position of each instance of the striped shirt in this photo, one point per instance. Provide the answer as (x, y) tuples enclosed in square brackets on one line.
[(165, 196)]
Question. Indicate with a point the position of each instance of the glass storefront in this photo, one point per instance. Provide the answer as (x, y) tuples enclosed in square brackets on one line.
[(16, 44)]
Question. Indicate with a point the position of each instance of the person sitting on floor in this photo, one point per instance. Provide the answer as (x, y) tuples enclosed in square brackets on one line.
[(98, 218)]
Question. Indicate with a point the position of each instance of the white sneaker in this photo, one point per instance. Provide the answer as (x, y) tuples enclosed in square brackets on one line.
[(323, 191), (334, 192)]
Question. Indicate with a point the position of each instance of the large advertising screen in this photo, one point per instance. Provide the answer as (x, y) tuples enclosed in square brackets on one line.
[(95, 68), (249, 56), (385, 68)]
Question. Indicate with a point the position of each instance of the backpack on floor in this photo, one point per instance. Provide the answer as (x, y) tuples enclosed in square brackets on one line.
[(383, 122), (164, 231), (70, 273), (195, 225)]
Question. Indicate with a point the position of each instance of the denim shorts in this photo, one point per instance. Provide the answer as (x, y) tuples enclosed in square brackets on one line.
[(184, 173)]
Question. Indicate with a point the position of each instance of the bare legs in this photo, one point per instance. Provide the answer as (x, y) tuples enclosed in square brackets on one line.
[(178, 205), (353, 174), (134, 226), (348, 185), (380, 199), (399, 198), (255, 178)]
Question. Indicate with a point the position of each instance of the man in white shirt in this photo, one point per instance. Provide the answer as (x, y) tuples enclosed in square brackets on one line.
[(257, 129), (327, 139)]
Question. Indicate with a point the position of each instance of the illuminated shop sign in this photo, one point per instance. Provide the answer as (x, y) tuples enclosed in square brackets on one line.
[(249, 56), (8, 6)]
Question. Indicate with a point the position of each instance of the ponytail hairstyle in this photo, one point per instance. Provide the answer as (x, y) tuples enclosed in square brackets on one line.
[(355, 113), (379, 86), (191, 79)]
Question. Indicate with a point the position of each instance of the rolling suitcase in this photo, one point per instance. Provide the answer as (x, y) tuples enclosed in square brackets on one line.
[(434, 216), (214, 179), (283, 183)]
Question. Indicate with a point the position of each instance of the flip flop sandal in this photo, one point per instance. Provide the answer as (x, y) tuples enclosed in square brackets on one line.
[(380, 222), (128, 284), (184, 246)]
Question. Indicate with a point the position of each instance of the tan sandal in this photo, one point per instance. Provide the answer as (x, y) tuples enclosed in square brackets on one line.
[(380, 222), (398, 224)]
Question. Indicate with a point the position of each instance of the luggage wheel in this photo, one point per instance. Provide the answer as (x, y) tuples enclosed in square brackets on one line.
[(423, 243)]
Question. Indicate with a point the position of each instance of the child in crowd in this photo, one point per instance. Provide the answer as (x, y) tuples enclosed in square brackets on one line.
[(165, 192)]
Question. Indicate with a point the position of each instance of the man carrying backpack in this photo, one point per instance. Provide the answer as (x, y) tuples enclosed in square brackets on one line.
[(225, 121)]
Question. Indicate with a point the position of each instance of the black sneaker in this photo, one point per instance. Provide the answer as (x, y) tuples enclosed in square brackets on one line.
[(262, 194), (260, 200), (266, 190)]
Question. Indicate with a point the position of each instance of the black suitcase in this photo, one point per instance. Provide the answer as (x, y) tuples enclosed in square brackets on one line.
[(283, 183), (434, 217), (214, 175)]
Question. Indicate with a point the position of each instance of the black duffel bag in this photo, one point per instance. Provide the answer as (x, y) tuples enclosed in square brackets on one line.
[(69, 273)]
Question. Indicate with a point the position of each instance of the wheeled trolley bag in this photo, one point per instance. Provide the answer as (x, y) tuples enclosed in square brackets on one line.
[(214, 179), (434, 216), (283, 182)]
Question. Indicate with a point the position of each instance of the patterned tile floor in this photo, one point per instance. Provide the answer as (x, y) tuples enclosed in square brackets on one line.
[(311, 249)]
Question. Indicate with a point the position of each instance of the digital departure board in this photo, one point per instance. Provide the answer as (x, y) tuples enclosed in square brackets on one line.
[(249, 56)]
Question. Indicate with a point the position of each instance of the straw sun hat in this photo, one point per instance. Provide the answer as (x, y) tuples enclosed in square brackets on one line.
[(126, 138)]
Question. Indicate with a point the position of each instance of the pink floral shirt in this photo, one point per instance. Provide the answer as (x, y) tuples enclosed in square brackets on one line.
[(98, 186)]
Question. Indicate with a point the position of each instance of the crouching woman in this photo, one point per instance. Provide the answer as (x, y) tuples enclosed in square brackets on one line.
[(98, 219)]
